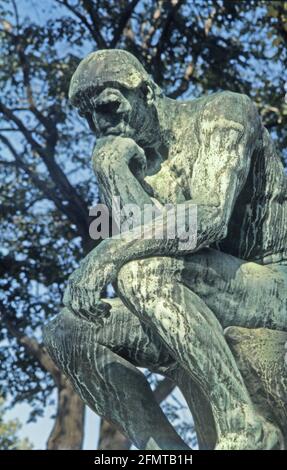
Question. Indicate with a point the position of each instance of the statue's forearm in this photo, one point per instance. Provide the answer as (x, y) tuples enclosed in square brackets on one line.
[(164, 235), (208, 227)]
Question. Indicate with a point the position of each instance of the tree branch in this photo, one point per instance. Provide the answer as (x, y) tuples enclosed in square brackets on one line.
[(165, 34), (32, 346), (48, 124), (91, 9), (92, 28), (76, 210), (50, 193), (124, 19)]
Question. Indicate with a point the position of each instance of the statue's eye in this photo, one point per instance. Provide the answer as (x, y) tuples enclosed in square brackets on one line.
[(143, 90)]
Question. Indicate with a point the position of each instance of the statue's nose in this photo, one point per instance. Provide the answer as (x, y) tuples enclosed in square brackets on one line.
[(109, 107), (111, 103)]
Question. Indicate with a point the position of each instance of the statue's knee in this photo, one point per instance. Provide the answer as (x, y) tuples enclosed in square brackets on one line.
[(141, 278), (128, 278)]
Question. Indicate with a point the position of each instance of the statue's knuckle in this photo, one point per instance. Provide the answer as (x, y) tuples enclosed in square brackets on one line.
[(127, 272)]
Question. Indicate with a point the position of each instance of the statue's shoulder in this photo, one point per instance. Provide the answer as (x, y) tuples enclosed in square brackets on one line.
[(225, 98), (220, 101), (224, 95), (228, 104)]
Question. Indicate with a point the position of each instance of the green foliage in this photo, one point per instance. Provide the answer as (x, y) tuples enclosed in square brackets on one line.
[(8, 433), (46, 181)]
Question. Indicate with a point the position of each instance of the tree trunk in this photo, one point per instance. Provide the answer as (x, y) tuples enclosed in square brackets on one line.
[(111, 438), (68, 429)]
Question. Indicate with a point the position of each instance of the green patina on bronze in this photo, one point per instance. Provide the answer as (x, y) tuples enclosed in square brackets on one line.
[(212, 318)]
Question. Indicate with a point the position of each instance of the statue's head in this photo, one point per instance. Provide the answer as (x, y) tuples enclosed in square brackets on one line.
[(112, 90)]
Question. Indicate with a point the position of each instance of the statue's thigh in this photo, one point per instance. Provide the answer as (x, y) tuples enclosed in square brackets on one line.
[(127, 336), (239, 292), (120, 332)]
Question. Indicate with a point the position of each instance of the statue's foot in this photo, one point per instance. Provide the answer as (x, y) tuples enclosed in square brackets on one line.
[(263, 435)]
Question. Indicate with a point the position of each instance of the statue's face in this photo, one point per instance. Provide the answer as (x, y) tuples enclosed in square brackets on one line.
[(116, 110)]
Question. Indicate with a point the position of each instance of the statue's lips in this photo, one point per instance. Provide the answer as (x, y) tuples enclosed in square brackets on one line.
[(112, 130), (116, 130)]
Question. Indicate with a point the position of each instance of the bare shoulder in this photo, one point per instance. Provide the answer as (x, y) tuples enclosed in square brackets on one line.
[(221, 107), (230, 105)]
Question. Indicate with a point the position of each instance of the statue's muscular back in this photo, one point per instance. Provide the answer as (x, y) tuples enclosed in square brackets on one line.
[(258, 225)]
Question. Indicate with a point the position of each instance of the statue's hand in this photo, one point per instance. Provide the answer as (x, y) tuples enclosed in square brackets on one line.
[(113, 152), (87, 282)]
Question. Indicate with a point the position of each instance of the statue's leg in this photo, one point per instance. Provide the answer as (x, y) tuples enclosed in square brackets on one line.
[(100, 359), (250, 300), (154, 290), (239, 292)]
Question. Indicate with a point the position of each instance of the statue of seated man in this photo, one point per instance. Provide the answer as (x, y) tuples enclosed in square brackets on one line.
[(173, 305)]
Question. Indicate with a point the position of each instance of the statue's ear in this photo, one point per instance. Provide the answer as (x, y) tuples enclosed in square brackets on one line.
[(149, 93)]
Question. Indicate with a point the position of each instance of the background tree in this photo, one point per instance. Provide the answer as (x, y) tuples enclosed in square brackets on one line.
[(46, 181)]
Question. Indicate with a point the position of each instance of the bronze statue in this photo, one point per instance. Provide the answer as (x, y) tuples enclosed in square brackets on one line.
[(213, 317)]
